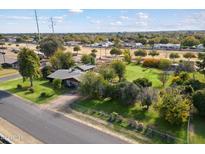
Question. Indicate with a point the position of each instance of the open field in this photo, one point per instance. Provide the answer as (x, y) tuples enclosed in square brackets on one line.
[(101, 51), (7, 72), (39, 87)]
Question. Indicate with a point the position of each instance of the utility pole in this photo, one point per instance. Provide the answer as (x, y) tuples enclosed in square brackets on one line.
[(52, 25), (39, 37)]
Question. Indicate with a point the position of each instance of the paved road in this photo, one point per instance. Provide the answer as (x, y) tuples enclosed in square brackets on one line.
[(48, 126), (2, 79)]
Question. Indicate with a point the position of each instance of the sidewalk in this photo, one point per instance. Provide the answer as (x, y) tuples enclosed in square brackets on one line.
[(16, 135)]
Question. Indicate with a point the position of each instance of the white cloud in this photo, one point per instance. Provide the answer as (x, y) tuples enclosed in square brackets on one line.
[(75, 11), (95, 22), (124, 17), (116, 23), (142, 16)]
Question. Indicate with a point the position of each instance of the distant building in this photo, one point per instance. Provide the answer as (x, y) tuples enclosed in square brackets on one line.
[(133, 45), (168, 46), (11, 40), (72, 43)]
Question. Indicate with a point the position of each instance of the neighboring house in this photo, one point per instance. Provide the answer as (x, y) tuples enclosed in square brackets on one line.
[(10, 63), (70, 77), (105, 44), (168, 46), (11, 40), (72, 43), (133, 45), (85, 68)]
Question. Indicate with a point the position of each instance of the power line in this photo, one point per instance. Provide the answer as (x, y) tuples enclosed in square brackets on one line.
[(39, 37), (52, 25)]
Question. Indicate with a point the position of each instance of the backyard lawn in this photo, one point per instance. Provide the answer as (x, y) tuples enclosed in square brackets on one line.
[(136, 112), (39, 87), (7, 72)]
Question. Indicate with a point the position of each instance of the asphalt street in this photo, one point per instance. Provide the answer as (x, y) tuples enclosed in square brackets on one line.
[(48, 126)]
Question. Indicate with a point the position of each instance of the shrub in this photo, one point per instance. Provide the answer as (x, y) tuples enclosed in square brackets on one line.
[(138, 60), (17, 45), (140, 127), (174, 108), (31, 89), (140, 53), (195, 84), (125, 92), (46, 71), (85, 59), (43, 94), (19, 86), (143, 82), (199, 101), (164, 64), (57, 83), (119, 68), (93, 85), (151, 62)]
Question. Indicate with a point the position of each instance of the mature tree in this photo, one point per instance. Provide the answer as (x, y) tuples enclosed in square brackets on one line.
[(164, 64), (127, 55), (199, 101), (45, 71), (86, 59), (174, 56), (61, 60), (148, 96), (164, 40), (163, 77), (92, 85), (153, 53), (115, 51), (190, 41), (29, 64), (119, 68), (174, 108), (50, 45), (107, 72), (189, 55), (76, 49), (140, 53), (93, 53), (126, 92), (201, 65), (143, 82)]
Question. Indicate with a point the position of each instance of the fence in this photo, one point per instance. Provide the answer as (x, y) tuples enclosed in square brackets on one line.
[(129, 124)]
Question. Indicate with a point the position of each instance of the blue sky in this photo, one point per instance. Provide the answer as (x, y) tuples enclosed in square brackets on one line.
[(23, 21)]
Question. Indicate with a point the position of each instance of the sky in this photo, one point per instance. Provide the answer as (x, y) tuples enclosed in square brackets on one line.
[(69, 21)]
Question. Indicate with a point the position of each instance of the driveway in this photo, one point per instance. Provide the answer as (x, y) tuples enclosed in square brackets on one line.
[(48, 126)]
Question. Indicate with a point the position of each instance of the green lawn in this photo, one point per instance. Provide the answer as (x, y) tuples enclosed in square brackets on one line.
[(134, 71), (7, 72), (150, 117), (198, 136), (39, 86)]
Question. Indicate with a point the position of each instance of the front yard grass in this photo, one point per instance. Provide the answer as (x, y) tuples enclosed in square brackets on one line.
[(39, 87), (7, 72), (136, 112)]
